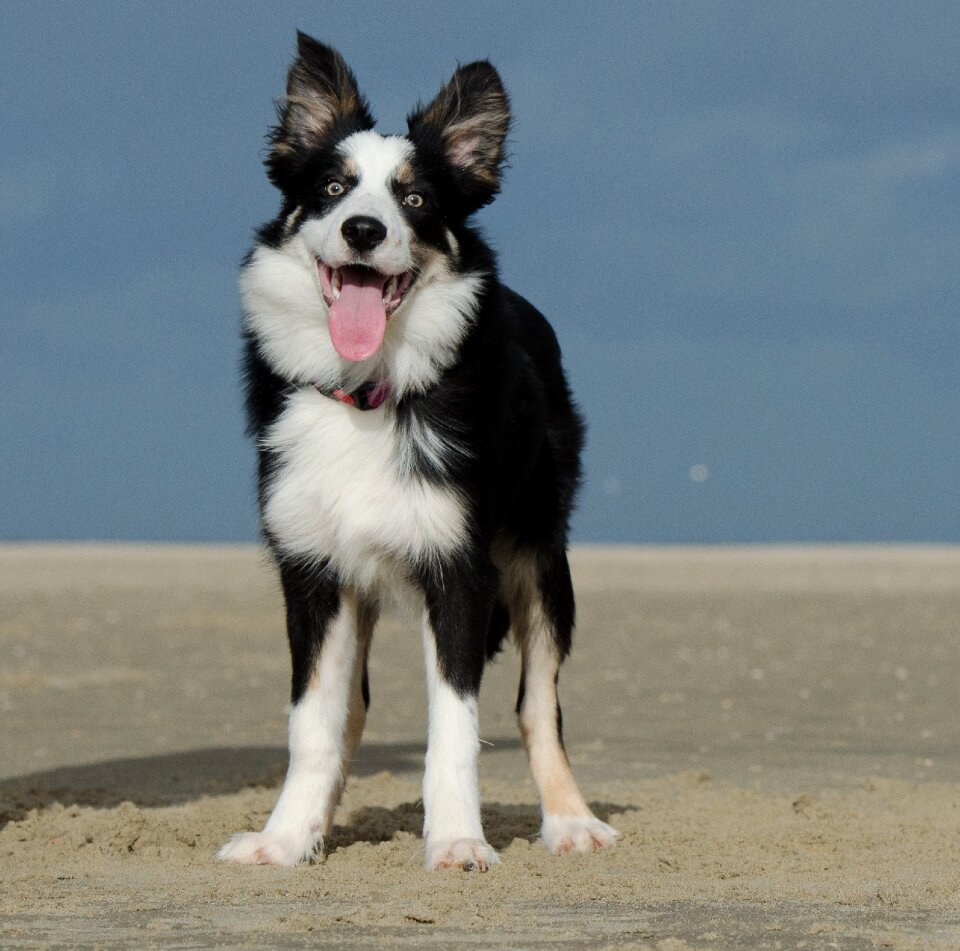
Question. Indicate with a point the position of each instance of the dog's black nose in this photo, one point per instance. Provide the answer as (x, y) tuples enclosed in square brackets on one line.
[(362, 232)]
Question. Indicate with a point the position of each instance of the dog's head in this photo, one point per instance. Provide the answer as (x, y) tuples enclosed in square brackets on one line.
[(376, 217)]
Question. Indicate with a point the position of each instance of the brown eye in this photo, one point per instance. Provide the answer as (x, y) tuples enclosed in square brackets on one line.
[(414, 200), (334, 189)]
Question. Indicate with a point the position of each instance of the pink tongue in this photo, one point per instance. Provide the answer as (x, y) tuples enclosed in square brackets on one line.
[(358, 317)]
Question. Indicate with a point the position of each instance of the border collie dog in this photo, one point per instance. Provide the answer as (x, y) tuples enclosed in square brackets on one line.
[(416, 435)]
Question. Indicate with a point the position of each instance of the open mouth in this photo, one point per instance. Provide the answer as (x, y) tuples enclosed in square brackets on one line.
[(361, 300)]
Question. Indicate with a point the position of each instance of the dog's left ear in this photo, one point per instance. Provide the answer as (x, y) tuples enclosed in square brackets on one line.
[(467, 123)]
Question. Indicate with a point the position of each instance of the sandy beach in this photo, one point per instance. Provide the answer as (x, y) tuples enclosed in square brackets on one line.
[(773, 731)]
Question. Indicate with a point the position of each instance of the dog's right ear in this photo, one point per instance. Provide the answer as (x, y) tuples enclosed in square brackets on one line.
[(322, 97)]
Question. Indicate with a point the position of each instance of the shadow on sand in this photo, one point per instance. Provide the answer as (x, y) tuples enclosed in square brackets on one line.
[(502, 823), (174, 778)]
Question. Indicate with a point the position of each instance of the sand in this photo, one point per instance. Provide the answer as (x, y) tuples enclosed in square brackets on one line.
[(774, 732)]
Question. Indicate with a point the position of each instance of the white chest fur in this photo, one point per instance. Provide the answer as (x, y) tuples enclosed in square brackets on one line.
[(340, 493)]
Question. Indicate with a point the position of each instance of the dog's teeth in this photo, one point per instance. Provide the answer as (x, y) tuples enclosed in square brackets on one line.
[(336, 284)]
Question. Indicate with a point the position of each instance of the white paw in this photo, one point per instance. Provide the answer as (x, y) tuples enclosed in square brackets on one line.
[(563, 834), (471, 855), (267, 848)]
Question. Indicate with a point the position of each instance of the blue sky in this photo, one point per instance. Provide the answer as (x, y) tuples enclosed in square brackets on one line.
[(740, 217)]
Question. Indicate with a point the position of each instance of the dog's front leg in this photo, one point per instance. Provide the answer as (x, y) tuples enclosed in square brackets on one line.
[(454, 641), (327, 645)]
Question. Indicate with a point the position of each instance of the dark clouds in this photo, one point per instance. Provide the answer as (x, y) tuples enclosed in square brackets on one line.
[(741, 218)]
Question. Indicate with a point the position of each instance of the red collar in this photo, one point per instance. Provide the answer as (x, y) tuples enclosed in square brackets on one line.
[(367, 396)]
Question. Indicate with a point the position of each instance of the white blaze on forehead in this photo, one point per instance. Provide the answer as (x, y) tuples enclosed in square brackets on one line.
[(376, 157)]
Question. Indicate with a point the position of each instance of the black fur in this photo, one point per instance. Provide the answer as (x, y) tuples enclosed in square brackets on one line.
[(312, 597)]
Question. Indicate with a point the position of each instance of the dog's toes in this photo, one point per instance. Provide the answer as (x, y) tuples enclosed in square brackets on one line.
[(470, 855), (264, 848), (562, 834)]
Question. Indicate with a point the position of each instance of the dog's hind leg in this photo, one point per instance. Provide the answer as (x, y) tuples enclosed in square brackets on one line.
[(542, 612), (329, 632), (456, 622), (359, 701)]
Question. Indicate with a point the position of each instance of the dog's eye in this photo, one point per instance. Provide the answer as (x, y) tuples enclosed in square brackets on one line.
[(414, 200), (334, 189)]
